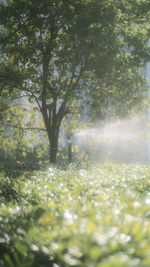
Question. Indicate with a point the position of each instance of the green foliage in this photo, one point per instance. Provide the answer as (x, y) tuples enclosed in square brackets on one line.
[(21, 131), (89, 216)]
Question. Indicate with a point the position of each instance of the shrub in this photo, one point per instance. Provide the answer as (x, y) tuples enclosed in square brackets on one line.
[(91, 216)]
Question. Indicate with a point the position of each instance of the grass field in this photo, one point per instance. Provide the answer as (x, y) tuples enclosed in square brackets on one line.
[(96, 216)]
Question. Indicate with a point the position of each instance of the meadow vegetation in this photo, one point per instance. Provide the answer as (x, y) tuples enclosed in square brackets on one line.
[(87, 216)]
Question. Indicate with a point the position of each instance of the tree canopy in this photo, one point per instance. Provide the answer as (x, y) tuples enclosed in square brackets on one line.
[(75, 52)]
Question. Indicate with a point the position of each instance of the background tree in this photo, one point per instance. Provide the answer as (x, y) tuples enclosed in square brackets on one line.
[(76, 50)]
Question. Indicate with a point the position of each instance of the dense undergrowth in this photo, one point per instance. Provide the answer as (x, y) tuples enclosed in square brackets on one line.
[(97, 216)]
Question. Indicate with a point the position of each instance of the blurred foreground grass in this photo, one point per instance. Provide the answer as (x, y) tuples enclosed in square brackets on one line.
[(97, 216)]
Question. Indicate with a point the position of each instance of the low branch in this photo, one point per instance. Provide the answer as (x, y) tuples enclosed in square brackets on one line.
[(26, 128)]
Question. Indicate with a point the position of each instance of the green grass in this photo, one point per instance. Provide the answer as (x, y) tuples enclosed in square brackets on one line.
[(89, 217)]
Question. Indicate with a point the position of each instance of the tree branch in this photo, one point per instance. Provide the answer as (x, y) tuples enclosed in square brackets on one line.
[(24, 129), (35, 97), (70, 89)]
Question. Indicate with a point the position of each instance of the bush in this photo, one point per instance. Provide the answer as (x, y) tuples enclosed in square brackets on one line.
[(91, 216)]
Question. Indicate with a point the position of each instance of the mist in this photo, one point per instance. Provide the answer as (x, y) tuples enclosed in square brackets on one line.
[(123, 141)]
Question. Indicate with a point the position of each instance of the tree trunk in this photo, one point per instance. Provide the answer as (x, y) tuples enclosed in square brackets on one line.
[(53, 149), (52, 120), (53, 135)]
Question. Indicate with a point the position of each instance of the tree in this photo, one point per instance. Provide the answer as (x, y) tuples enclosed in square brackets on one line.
[(76, 50)]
